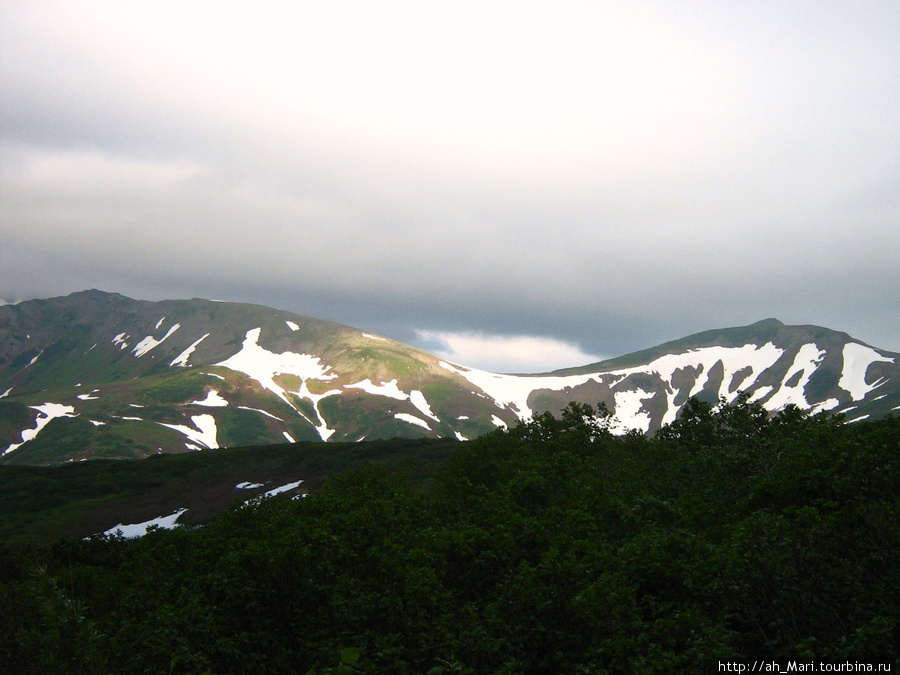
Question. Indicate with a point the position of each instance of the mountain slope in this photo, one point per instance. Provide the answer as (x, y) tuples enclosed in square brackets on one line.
[(97, 374)]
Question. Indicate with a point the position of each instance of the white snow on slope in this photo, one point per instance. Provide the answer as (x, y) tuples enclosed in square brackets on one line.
[(417, 398), (88, 397), (828, 404), (412, 419), (151, 342), (182, 359), (247, 485), (857, 359), (288, 437), (733, 359), (260, 410), (374, 337), (283, 488), (294, 327), (32, 362), (392, 390), (140, 529), (628, 411), (807, 360), (212, 400), (262, 365), (6, 393), (46, 412), (514, 390), (389, 389), (204, 433)]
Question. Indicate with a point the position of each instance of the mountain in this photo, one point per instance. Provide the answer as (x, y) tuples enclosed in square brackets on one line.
[(97, 374)]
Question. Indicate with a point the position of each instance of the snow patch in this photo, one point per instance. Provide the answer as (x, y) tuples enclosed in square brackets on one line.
[(150, 342), (283, 488), (212, 400), (857, 359), (288, 437), (262, 365), (807, 360), (204, 433), (628, 411), (6, 393), (247, 485), (140, 529), (294, 327), (260, 410), (498, 422), (182, 359), (514, 390), (829, 404), (374, 337), (159, 323), (412, 419), (389, 389), (46, 413), (88, 397), (760, 393), (417, 398)]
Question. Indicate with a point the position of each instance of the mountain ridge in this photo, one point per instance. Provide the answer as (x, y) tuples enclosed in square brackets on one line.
[(97, 374)]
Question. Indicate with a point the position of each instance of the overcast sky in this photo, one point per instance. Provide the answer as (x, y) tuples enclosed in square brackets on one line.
[(518, 186)]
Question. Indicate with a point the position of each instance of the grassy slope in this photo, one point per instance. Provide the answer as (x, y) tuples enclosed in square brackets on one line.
[(40, 504)]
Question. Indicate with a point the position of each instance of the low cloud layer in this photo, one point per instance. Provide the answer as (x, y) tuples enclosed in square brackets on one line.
[(504, 353), (598, 177)]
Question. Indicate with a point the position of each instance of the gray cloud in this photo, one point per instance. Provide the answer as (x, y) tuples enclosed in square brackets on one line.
[(606, 175)]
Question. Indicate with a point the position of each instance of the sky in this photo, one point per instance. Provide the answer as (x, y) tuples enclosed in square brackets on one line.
[(516, 186)]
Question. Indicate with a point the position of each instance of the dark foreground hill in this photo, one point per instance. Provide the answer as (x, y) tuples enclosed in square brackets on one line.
[(99, 375), (729, 538), (41, 504)]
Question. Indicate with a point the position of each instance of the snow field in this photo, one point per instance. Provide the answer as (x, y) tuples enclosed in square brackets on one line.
[(857, 359), (135, 530), (263, 366), (46, 412)]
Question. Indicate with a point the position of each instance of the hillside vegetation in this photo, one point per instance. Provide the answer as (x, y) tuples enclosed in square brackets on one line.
[(554, 547), (96, 375)]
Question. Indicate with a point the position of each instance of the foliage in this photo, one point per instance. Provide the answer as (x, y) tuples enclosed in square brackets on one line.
[(554, 547)]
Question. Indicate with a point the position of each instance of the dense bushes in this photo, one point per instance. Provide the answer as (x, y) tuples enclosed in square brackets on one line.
[(554, 547)]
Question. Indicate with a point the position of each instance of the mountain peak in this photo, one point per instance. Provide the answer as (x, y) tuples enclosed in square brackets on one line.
[(768, 323), (97, 374)]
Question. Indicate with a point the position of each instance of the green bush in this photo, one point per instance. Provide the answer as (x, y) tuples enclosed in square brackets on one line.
[(554, 547)]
